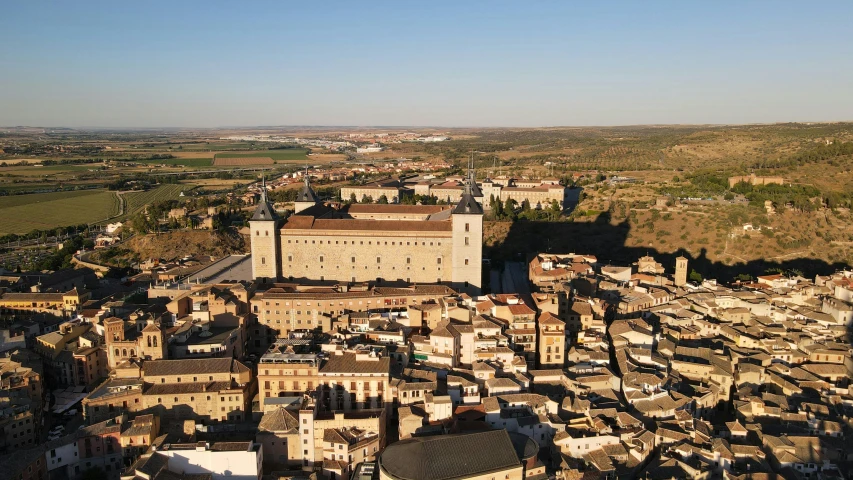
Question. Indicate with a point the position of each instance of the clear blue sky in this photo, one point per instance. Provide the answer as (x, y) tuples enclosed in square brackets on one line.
[(490, 63)]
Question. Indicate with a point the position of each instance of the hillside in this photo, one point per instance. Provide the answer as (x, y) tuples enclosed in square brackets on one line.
[(174, 245)]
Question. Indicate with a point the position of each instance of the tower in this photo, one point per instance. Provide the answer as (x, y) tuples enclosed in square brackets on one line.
[(680, 271), (467, 227), (152, 344), (264, 232), (306, 197)]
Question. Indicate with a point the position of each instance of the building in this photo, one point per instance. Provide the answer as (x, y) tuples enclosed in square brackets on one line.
[(221, 460), (286, 308), (480, 456), (754, 180), (552, 341), (537, 193), (680, 271), (392, 190), (212, 389), (391, 243)]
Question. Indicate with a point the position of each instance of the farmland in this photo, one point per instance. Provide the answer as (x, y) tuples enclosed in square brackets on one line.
[(136, 201), (241, 161), (24, 213), (180, 162), (277, 155)]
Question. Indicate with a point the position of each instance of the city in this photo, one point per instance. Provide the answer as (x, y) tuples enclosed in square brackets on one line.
[(455, 241)]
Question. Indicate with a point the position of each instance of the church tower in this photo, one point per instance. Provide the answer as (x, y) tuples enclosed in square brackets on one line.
[(264, 239), (680, 271), (152, 343), (467, 261), (306, 197)]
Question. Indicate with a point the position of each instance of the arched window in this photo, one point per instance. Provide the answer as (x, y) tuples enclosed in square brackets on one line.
[(117, 353), (149, 341), (132, 353), (123, 352), (155, 341)]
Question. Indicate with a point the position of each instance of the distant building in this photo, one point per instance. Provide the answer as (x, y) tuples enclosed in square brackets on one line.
[(754, 180)]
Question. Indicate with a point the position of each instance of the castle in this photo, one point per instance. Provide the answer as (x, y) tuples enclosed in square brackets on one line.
[(415, 244)]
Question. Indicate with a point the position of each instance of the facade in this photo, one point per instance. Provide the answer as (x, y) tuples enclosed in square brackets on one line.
[(537, 194), (399, 243), (216, 389), (392, 191)]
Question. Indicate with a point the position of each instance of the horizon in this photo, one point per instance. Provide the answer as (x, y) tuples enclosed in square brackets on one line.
[(471, 65)]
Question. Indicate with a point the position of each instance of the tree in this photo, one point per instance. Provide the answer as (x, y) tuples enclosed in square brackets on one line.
[(695, 276), (556, 210), (498, 207), (525, 205), (352, 198), (383, 200)]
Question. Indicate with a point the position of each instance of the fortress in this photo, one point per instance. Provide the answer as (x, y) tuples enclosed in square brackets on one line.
[(415, 244)]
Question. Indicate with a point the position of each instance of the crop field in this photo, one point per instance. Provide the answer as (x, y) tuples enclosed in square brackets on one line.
[(24, 213), (241, 161), (279, 155), (180, 162), (136, 201)]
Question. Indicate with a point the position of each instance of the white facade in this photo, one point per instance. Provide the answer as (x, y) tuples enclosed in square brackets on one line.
[(221, 464)]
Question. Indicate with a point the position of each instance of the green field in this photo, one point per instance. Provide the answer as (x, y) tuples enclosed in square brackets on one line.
[(136, 201), (24, 213), (184, 162), (287, 154)]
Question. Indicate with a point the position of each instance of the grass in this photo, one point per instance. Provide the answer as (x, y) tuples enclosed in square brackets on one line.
[(24, 213), (287, 154)]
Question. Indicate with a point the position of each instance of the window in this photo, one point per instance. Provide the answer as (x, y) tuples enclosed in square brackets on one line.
[(263, 260), (352, 259), (467, 227), (321, 259), (378, 259), (438, 260), (466, 240), (466, 261)]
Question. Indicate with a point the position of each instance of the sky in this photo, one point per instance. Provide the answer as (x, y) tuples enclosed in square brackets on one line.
[(405, 63)]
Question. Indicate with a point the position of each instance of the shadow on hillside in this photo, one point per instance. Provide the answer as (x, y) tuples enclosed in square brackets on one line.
[(609, 244)]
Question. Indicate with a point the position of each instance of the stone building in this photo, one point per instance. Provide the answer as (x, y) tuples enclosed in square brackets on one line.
[(391, 190), (396, 243)]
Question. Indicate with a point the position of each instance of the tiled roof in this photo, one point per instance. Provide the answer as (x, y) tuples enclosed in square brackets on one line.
[(346, 363), (199, 366), (310, 223), (447, 457)]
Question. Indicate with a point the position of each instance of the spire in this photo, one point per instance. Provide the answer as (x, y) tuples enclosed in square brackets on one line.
[(307, 177)]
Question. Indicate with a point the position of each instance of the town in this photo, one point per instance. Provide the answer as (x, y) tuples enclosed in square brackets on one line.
[(356, 342)]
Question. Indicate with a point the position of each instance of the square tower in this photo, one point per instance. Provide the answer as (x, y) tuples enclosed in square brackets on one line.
[(264, 240), (680, 271), (467, 261)]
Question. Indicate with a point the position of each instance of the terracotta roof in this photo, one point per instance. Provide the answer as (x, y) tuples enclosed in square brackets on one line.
[(310, 223), (346, 363), (399, 209), (198, 366)]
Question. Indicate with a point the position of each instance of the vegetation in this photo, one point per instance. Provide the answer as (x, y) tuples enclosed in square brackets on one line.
[(24, 213)]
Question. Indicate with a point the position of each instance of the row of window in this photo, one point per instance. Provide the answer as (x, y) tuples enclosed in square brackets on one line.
[(370, 242)]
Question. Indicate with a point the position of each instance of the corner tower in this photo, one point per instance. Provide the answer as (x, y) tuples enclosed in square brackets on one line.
[(306, 197), (467, 261), (264, 235)]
